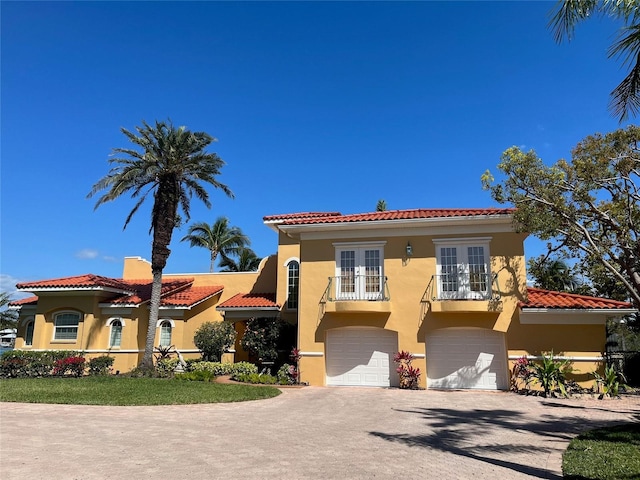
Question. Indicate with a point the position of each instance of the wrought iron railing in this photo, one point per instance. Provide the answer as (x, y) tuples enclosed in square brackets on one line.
[(464, 286), (372, 288)]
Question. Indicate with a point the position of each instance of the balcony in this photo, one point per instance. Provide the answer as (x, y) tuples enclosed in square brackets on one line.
[(464, 292), (357, 293)]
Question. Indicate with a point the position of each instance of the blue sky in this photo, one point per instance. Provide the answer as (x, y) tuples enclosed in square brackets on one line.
[(316, 106)]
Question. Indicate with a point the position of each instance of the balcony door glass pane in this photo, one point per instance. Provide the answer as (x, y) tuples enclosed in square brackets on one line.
[(372, 273), (477, 269), (347, 280), (449, 271)]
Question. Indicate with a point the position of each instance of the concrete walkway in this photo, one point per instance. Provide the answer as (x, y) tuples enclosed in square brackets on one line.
[(309, 433)]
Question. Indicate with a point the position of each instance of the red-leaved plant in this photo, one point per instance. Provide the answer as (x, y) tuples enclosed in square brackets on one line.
[(409, 375), (71, 365)]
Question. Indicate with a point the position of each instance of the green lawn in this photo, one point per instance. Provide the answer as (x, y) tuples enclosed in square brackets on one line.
[(611, 453), (126, 391)]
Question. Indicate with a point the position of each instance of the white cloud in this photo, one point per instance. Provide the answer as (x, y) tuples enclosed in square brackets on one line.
[(108, 258), (8, 284), (87, 254)]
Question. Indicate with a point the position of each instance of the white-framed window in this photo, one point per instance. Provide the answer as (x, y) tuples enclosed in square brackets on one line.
[(66, 325), (115, 332), (293, 284), (463, 271), (359, 271), (165, 333), (28, 332)]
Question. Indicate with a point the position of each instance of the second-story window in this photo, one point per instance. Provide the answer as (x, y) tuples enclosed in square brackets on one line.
[(293, 284), (463, 269), (359, 271), (66, 326)]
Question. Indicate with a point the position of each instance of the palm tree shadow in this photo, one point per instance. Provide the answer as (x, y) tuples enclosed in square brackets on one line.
[(463, 433)]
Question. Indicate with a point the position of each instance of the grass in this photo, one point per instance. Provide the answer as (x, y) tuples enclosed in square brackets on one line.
[(126, 391), (604, 454)]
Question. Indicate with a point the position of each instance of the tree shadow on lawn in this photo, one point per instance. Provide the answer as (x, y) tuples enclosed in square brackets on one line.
[(462, 432)]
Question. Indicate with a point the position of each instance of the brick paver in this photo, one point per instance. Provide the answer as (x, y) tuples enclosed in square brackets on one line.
[(309, 433)]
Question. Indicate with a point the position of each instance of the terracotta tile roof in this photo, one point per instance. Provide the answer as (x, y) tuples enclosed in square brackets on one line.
[(142, 289), (396, 215), (250, 300), (79, 281), (33, 300), (538, 298), (190, 296), (289, 216)]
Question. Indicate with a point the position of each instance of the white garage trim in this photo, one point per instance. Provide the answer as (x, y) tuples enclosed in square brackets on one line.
[(361, 356), (466, 358)]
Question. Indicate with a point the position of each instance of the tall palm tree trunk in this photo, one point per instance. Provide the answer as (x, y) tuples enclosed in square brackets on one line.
[(154, 306)]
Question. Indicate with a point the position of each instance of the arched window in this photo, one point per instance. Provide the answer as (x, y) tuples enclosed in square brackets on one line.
[(165, 333), (28, 333), (66, 326), (293, 283), (115, 338)]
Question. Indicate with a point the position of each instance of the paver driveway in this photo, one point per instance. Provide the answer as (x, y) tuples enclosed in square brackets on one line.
[(314, 433)]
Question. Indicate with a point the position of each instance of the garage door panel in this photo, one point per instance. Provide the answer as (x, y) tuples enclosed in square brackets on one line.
[(466, 358), (360, 356)]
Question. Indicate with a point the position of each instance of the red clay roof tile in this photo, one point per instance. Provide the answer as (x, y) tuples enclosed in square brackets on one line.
[(79, 281), (288, 216), (539, 298), (33, 300), (190, 296), (250, 300), (393, 215)]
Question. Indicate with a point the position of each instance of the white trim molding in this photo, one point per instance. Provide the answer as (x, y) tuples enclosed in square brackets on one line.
[(311, 354), (113, 319), (162, 320), (289, 260), (551, 316), (559, 357)]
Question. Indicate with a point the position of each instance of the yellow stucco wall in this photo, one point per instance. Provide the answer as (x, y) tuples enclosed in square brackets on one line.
[(409, 311)]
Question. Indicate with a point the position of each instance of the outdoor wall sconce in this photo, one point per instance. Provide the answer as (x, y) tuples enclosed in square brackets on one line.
[(409, 250)]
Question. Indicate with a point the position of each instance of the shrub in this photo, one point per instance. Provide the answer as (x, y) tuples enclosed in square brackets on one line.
[(217, 369), (409, 375), (166, 366), (551, 373), (22, 364), (261, 338), (256, 378), (100, 365), (611, 382), (288, 374), (196, 376), (73, 366), (213, 338), (521, 373)]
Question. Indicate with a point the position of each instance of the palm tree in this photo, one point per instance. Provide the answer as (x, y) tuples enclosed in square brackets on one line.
[(553, 274), (625, 98), (172, 164), (217, 238), (381, 206), (8, 318), (247, 261)]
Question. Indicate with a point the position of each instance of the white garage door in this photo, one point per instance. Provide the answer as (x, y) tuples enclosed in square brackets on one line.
[(466, 358), (361, 357)]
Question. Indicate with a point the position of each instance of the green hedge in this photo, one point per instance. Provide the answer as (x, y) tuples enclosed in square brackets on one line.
[(217, 369), (23, 364)]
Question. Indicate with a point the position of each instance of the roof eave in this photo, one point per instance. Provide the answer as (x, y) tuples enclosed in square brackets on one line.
[(411, 222)]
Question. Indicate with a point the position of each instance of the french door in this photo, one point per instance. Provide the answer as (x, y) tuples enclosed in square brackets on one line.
[(359, 273)]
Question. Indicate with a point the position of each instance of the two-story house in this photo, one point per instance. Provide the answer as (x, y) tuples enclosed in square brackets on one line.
[(447, 285)]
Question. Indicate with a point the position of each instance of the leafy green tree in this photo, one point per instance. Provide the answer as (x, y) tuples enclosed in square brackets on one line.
[(213, 338), (218, 238), (8, 318), (171, 164), (552, 274), (246, 261), (261, 338), (381, 206), (588, 208), (625, 98)]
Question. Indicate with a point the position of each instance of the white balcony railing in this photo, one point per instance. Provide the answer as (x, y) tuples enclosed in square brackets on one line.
[(464, 286), (358, 287)]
